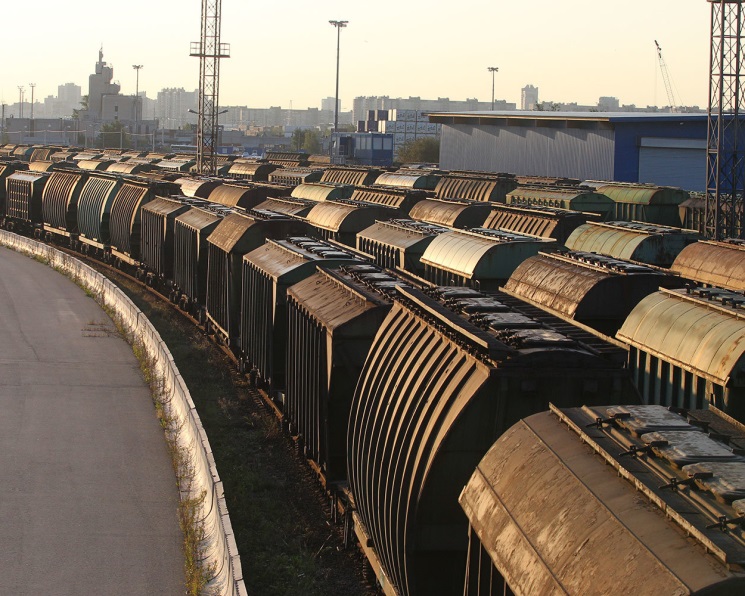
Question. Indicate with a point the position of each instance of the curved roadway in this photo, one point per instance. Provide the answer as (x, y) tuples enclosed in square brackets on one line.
[(88, 500)]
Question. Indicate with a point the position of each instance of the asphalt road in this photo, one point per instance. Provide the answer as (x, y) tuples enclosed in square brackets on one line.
[(88, 500)]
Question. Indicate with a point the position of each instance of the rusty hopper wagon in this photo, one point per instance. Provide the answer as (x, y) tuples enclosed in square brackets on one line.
[(475, 188), (420, 180), (402, 199), (95, 165), (295, 176), (43, 153), (536, 220), (251, 170), (332, 319), (287, 205), (436, 391), (65, 155), (479, 258), (609, 500), (341, 221), (645, 202), (6, 169), (687, 349), (59, 203), (576, 198), (351, 176), (322, 191), (398, 243), (198, 187), (590, 289), (23, 192), (720, 264), (233, 237), (157, 236), (177, 164), (632, 241), (248, 195), (127, 167), (451, 213), (268, 272), (191, 230)]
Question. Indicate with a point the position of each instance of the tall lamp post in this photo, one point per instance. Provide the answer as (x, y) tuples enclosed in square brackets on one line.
[(137, 68), (20, 101), (339, 25), (32, 85), (492, 70)]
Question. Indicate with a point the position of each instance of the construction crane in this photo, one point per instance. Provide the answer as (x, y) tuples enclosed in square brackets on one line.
[(666, 79), (209, 50)]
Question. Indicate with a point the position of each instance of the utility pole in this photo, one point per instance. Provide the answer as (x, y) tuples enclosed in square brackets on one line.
[(137, 68), (339, 26), (31, 126), (492, 70), (209, 50), (20, 101)]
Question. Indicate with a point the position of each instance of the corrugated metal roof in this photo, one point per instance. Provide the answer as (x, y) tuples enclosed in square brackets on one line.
[(163, 206), (230, 231), (320, 192), (643, 194), (340, 217), (277, 258), (718, 264), (451, 213), (458, 253), (398, 236), (690, 333), (198, 219)]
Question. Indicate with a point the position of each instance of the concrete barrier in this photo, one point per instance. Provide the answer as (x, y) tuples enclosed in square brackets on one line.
[(219, 546)]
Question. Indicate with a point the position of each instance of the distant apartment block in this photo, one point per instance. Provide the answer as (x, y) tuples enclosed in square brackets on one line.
[(363, 105), (528, 97), (172, 107)]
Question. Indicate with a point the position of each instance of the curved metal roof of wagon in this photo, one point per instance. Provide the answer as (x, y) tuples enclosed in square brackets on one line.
[(256, 170), (643, 194), (322, 191), (126, 167), (473, 255), (63, 155), (198, 218), (537, 220), (43, 153), (397, 198), (352, 176), (401, 233), (423, 181), (277, 258), (176, 164), (720, 264), (43, 165), (451, 213), (577, 289), (646, 243), (296, 176), (198, 187), (694, 333), (473, 188), (231, 231), (346, 217), (164, 205), (23, 151), (246, 197), (331, 301), (578, 527), (95, 165), (287, 206), (60, 192)]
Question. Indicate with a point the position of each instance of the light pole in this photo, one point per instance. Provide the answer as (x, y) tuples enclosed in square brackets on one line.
[(32, 85), (137, 68), (492, 70), (339, 25), (20, 101)]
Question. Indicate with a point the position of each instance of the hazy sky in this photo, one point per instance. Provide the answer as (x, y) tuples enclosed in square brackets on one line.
[(283, 52)]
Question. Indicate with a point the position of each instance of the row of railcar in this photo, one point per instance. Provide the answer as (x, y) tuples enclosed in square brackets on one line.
[(395, 381)]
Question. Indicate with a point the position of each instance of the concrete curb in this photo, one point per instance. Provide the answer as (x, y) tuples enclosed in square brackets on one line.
[(220, 547)]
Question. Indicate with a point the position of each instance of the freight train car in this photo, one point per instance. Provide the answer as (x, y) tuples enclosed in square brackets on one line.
[(645, 202), (341, 221), (233, 237), (287, 206), (415, 180), (246, 195), (322, 191), (59, 204), (198, 187), (333, 317), (591, 289), (537, 220), (295, 176), (398, 243), (576, 198), (478, 258), (451, 213), (475, 188), (436, 390), (402, 199), (251, 170), (23, 191), (268, 272), (609, 500), (720, 264), (632, 241), (687, 349), (351, 176), (6, 169)]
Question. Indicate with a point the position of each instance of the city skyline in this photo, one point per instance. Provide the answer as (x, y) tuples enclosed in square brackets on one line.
[(570, 53)]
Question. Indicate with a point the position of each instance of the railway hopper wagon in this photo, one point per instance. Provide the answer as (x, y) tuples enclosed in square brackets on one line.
[(59, 204), (322, 191), (536, 220), (6, 169), (398, 243), (247, 195), (451, 213), (23, 192), (437, 389), (609, 500), (576, 198), (478, 258), (341, 221), (236, 235), (287, 205), (632, 241), (719, 264), (268, 272), (251, 170), (351, 176), (397, 198), (295, 176), (687, 349), (645, 202), (197, 187), (590, 289), (413, 179), (332, 318), (475, 188)]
